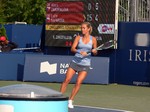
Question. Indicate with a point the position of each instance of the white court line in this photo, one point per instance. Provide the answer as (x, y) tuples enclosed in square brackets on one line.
[(104, 108)]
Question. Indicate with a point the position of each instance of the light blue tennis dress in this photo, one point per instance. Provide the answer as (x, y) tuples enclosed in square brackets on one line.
[(79, 62)]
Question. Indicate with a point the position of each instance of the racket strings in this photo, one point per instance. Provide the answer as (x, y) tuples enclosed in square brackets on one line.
[(109, 44)]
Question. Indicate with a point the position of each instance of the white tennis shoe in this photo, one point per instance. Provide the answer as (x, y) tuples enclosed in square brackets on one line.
[(70, 104)]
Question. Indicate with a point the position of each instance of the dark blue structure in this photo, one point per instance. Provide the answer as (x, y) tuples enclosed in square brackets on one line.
[(133, 54), (24, 35), (129, 64)]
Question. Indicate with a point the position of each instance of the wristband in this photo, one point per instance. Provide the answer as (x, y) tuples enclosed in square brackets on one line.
[(78, 51)]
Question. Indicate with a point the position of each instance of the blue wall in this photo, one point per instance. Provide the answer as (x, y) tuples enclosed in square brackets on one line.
[(129, 64), (133, 54), (24, 35), (12, 66)]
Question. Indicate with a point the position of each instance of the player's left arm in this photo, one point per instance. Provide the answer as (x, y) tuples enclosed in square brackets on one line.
[(94, 46)]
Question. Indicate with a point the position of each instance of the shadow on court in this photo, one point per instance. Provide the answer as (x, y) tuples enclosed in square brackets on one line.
[(92, 109)]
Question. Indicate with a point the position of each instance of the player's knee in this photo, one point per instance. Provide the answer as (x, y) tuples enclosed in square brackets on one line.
[(67, 81), (78, 84)]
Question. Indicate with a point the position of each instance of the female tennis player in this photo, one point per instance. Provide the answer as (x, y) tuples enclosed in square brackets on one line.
[(81, 62)]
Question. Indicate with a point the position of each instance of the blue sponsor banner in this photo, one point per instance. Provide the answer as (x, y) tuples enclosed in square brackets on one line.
[(12, 65), (133, 59), (52, 68)]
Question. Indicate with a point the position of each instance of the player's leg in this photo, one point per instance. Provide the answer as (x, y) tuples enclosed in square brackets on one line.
[(70, 73), (81, 76)]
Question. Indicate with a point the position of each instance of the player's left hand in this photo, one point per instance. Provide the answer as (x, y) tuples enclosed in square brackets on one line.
[(94, 51)]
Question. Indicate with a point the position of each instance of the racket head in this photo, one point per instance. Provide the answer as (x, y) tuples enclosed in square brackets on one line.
[(100, 47), (106, 45)]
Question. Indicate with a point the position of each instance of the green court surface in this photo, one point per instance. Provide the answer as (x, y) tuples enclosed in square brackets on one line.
[(111, 96)]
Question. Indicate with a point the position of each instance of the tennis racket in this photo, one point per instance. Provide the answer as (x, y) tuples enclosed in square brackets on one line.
[(30, 48), (106, 45)]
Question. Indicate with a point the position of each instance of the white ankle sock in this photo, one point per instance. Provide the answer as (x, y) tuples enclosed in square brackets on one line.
[(70, 104)]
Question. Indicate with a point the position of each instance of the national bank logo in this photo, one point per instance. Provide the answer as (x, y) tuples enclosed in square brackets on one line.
[(142, 39), (51, 69)]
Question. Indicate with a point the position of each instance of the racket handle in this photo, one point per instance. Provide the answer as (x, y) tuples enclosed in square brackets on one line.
[(88, 52)]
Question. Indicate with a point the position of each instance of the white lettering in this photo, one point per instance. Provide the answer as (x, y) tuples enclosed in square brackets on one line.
[(139, 55), (62, 37), (64, 65), (145, 55), (137, 83), (63, 71), (130, 59), (59, 9)]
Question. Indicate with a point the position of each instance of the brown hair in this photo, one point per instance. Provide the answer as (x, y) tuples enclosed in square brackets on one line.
[(88, 24)]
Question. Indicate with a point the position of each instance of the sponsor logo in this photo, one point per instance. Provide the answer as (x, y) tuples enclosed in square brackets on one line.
[(106, 28), (63, 68), (139, 55), (142, 39), (137, 83), (49, 68)]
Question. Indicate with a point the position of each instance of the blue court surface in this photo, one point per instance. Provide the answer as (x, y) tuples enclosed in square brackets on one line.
[(94, 109)]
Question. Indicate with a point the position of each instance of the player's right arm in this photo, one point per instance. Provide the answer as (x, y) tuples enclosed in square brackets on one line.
[(74, 45)]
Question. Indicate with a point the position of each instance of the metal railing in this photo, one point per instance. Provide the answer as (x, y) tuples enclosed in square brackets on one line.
[(134, 10)]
